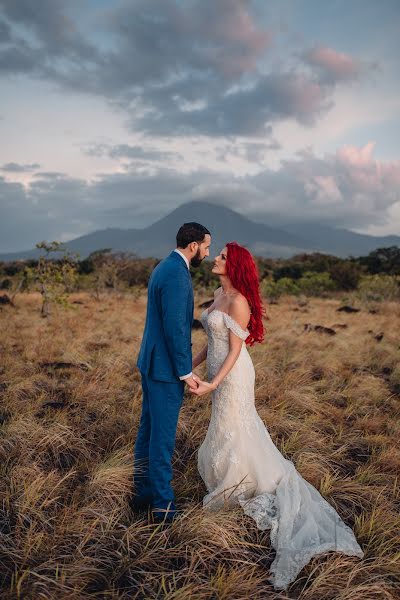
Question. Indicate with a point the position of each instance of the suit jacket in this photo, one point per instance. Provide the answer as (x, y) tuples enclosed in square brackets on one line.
[(166, 350)]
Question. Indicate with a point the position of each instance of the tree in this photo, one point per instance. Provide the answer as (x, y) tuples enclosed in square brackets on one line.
[(382, 260), (293, 271), (55, 277), (346, 275), (109, 268)]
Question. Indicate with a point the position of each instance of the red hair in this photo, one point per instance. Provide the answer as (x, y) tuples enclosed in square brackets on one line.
[(242, 271)]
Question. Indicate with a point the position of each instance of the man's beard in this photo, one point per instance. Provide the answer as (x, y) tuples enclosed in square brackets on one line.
[(196, 260)]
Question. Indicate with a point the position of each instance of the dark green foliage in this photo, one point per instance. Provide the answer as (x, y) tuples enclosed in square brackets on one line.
[(85, 267), (5, 284), (138, 271), (12, 268), (117, 270), (293, 271), (203, 277), (382, 260), (346, 275), (315, 261), (265, 266)]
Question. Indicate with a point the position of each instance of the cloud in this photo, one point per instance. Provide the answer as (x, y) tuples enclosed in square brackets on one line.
[(121, 151), (174, 68), (55, 31), (346, 189), (245, 112), (13, 167), (254, 152), (323, 190), (334, 67), (49, 175)]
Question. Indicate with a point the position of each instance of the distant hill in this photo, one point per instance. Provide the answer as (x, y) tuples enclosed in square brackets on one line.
[(341, 242), (225, 225)]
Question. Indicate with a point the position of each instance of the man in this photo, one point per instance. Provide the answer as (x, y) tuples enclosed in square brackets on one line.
[(165, 363)]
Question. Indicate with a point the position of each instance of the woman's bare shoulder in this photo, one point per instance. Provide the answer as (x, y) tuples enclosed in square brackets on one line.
[(240, 302), (218, 291), (239, 309)]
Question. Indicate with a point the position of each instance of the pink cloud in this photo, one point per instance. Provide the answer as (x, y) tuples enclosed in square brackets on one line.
[(308, 97), (357, 157), (336, 65), (236, 40), (239, 27), (375, 178)]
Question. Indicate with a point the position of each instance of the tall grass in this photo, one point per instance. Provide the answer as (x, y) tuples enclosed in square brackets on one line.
[(70, 405)]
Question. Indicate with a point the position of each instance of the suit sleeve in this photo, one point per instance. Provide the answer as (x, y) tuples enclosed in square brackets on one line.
[(175, 295)]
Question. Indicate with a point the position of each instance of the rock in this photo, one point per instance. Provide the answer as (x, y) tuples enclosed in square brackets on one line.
[(319, 328), (348, 309), (64, 365)]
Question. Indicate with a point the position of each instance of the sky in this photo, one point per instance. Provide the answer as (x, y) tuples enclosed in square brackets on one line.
[(115, 112)]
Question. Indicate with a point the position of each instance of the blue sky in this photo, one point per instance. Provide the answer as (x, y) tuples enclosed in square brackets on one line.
[(112, 113)]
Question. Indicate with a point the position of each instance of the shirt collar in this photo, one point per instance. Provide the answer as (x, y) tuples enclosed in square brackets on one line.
[(183, 256)]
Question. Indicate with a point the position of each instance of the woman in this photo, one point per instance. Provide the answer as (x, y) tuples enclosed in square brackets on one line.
[(238, 461)]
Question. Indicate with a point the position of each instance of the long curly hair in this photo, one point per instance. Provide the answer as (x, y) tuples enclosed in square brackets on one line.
[(242, 270)]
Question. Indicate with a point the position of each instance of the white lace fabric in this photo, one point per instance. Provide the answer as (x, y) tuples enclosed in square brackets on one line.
[(240, 465)]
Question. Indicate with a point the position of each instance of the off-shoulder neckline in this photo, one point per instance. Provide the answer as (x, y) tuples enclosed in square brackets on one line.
[(228, 315)]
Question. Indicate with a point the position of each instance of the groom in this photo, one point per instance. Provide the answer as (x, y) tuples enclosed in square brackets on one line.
[(165, 364)]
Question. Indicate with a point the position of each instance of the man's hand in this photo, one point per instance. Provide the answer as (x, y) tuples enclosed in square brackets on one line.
[(203, 388), (193, 382)]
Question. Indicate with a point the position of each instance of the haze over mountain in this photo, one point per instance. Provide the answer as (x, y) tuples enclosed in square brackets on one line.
[(225, 225)]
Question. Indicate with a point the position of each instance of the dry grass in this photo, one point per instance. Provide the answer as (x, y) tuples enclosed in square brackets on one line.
[(331, 404)]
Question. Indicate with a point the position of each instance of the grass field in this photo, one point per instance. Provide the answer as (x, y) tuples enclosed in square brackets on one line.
[(70, 403)]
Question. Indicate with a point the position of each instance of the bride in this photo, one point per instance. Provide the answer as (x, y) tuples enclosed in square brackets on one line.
[(238, 461)]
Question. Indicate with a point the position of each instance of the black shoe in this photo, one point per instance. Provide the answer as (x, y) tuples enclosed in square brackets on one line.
[(166, 518), (140, 503)]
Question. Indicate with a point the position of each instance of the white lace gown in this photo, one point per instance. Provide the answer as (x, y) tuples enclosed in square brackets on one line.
[(240, 465)]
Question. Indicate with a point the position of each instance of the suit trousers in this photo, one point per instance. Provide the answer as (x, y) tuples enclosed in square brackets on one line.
[(155, 442)]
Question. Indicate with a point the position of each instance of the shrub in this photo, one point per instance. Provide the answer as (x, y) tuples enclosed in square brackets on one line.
[(379, 287), (203, 277), (316, 284), (5, 284), (346, 275), (12, 268), (54, 279), (315, 261), (382, 260), (292, 271), (274, 289)]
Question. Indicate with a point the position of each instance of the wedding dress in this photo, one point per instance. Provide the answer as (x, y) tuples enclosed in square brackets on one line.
[(240, 465)]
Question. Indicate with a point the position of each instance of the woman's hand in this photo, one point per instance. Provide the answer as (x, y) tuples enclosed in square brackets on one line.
[(204, 388)]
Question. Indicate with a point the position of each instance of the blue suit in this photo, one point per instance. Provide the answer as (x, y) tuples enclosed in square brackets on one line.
[(165, 355)]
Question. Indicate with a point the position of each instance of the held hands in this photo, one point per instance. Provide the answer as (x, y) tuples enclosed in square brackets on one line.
[(199, 387), (193, 382), (203, 388)]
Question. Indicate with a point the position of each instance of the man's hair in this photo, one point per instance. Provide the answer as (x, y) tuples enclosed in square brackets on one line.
[(190, 232)]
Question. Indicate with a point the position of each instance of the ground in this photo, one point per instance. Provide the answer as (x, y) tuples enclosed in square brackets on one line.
[(70, 400)]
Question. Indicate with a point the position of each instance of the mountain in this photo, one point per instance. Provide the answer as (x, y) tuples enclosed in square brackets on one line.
[(341, 242), (225, 225)]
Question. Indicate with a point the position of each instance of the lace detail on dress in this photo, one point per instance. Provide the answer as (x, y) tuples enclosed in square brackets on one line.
[(235, 327), (302, 523), (240, 465)]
